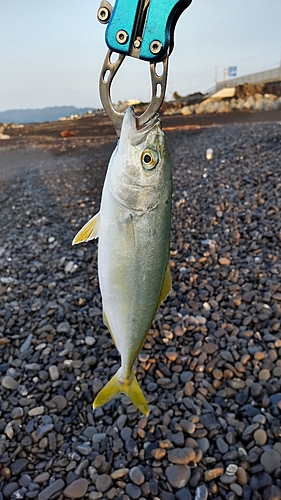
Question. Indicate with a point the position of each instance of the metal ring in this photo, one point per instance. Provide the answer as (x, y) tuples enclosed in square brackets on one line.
[(158, 84)]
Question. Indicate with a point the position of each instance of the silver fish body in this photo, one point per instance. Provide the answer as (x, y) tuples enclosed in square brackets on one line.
[(133, 227)]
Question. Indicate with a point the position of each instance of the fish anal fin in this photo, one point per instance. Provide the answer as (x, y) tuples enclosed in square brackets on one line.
[(107, 324), (105, 320), (129, 386), (166, 286), (89, 231)]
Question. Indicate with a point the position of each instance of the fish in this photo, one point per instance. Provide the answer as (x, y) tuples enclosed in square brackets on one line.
[(133, 227)]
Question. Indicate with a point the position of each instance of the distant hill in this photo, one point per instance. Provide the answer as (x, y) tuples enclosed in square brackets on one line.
[(49, 114)]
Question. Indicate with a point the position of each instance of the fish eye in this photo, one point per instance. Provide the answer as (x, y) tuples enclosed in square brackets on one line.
[(149, 159)]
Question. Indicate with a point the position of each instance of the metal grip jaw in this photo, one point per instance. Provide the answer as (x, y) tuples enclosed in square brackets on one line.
[(158, 85), (141, 28)]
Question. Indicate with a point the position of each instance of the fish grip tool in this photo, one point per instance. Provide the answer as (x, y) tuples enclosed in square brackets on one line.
[(143, 29)]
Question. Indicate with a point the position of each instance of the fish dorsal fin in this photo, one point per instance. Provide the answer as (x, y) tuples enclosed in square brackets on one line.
[(166, 286), (89, 231)]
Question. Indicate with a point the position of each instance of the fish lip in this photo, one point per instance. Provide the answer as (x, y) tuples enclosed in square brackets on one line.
[(137, 133)]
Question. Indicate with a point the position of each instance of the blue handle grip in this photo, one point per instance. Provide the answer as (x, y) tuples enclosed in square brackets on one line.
[(157, 30)]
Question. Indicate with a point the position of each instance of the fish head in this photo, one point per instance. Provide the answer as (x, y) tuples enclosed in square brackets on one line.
[(140, 168)]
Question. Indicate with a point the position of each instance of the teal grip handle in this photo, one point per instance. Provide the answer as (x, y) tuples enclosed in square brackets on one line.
[(160, 26), (157, 37), (123, 19)]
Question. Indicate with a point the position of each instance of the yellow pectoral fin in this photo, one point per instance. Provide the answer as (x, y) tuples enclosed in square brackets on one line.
[(129, 386), (89, 231), (166, 286)]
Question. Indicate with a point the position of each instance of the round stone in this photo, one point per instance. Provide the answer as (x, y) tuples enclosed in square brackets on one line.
[(224, 261), (10, 383), (201, 492), (264, 375), (178, 475), (103, 483), (118, 473), (54, 373), (136, 476), (183, 494), (270, 460), (42, 478), (17, 412), (272, 493), (231, 469), (181, 456), (260, 480), (238, 490), (209, 475), (90, 341), (187, 426), (60, 402), (158, 453), (260, 437), (9, 489), (76, 489), (222, 445), (133, 491)]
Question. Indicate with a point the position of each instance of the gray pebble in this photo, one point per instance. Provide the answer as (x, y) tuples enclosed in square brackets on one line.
[(136, 476), (272, 493), (183, 494), (9, 489), (133, 491), (178, 475), (54, 373), (10, 383), (26, 344), (18, 466), (222, 446), (201, 492), (53, 488), (103, 483), (270, 460), (181, 455), (76, 489)]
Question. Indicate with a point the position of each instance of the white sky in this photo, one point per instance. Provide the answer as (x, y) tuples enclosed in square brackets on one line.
[(52, 51)]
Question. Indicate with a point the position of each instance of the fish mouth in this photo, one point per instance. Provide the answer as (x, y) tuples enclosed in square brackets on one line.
[(132, 131)]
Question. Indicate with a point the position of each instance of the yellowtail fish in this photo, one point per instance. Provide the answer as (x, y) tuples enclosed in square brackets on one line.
[(133, 227)]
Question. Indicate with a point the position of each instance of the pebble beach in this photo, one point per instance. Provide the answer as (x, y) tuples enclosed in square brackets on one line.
[(211, 364)]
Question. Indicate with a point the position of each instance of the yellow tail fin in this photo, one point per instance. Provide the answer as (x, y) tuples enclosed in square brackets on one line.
[(129, 386)]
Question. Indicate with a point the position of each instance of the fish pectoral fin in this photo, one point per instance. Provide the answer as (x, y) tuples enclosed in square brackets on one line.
[(129, 386), (166, 286), (89, 231)]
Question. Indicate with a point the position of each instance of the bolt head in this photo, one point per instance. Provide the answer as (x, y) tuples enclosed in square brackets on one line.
[(103, 15), (137, 44), (122, 37), (155, 47)]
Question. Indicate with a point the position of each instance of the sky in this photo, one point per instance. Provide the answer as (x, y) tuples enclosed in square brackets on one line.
[(52, 51)]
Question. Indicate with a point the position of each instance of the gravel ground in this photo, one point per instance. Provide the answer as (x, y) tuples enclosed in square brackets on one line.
[(210, 367)]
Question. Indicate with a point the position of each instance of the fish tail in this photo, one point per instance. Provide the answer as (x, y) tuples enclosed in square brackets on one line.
[(128, 386)]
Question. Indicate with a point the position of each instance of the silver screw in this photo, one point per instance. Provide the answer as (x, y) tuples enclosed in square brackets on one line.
[(137, 44), (155, 47), (122, 36), (103, 15)]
